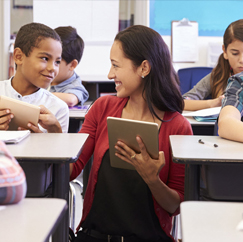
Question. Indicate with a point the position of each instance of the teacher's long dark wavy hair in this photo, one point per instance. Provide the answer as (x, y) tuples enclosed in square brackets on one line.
[(161, 87)]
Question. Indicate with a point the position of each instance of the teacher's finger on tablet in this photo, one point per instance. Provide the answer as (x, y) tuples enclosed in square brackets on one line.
[(142, 148)]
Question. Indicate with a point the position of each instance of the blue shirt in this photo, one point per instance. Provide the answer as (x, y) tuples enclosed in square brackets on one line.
[(72, 85), (234, 92)]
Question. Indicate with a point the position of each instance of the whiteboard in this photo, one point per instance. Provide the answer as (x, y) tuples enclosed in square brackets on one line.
[(96, 21)]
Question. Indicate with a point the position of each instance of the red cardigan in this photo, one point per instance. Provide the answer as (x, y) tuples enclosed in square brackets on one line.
[(95, 125)]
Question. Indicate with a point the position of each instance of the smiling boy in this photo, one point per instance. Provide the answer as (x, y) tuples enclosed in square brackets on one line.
[(37, 55)]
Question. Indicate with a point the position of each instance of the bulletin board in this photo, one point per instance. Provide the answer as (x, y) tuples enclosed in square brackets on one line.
[(212, 16), (184, 41)]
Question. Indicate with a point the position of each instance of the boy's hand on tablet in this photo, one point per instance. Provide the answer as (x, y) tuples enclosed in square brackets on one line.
[(5, 119), (32, 128), (48, 121)]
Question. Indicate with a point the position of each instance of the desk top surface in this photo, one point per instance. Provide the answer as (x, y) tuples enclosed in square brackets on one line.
[(33, 219), (57, 147), (187, 149), (211, 221), (77, 114)]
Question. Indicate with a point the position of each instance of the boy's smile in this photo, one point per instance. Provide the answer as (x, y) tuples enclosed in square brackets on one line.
[(39, 68)]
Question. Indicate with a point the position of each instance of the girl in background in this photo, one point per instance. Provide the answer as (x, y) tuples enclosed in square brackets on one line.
[(230, 62)]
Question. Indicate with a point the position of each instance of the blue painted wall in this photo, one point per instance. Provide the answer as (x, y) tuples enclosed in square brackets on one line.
[(213, 17)]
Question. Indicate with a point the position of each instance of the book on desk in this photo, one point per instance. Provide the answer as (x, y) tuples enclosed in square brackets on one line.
[(82, 108), (204, 115), (13, 137)]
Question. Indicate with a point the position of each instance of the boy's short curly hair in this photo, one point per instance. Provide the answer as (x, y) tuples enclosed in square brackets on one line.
[(72, 43), (30, 35)]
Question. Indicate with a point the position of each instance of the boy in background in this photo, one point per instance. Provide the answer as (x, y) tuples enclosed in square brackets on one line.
[(37, 55), (67, 85)]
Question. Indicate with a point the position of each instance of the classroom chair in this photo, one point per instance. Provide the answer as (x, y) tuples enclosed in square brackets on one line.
[(189, 77), (72, 200), (176, 228)]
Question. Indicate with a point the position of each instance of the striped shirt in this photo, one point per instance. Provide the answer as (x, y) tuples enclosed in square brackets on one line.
[(12, 178), (234, 92)]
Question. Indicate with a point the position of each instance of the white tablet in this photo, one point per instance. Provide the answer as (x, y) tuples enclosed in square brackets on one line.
[(126, 130), (23, 112)]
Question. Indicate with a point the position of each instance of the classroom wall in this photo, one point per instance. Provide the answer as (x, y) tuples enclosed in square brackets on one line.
[(212, 17), (93, 54), (4, 37), (210, 28), (203, 50), (20, 15), (141, 11)]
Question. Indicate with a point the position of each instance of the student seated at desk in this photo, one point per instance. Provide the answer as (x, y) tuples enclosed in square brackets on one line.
[(136, 205), (13, 183), (230, 125), (67, 85), (214, 84), (37, 55)]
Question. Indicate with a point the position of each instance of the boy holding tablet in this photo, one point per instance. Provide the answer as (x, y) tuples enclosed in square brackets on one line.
[(67, 85), (37, 55)]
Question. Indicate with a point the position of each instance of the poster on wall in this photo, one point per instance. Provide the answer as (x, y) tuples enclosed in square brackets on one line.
[(184, 41)]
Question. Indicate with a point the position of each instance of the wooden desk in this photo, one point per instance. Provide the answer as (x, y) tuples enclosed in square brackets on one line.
[(33, 219), (60, 150), (187, 150), (211, 221)]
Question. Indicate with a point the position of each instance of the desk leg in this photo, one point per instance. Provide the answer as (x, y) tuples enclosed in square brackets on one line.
[(61, 190), (192, 182), (74, 125)]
